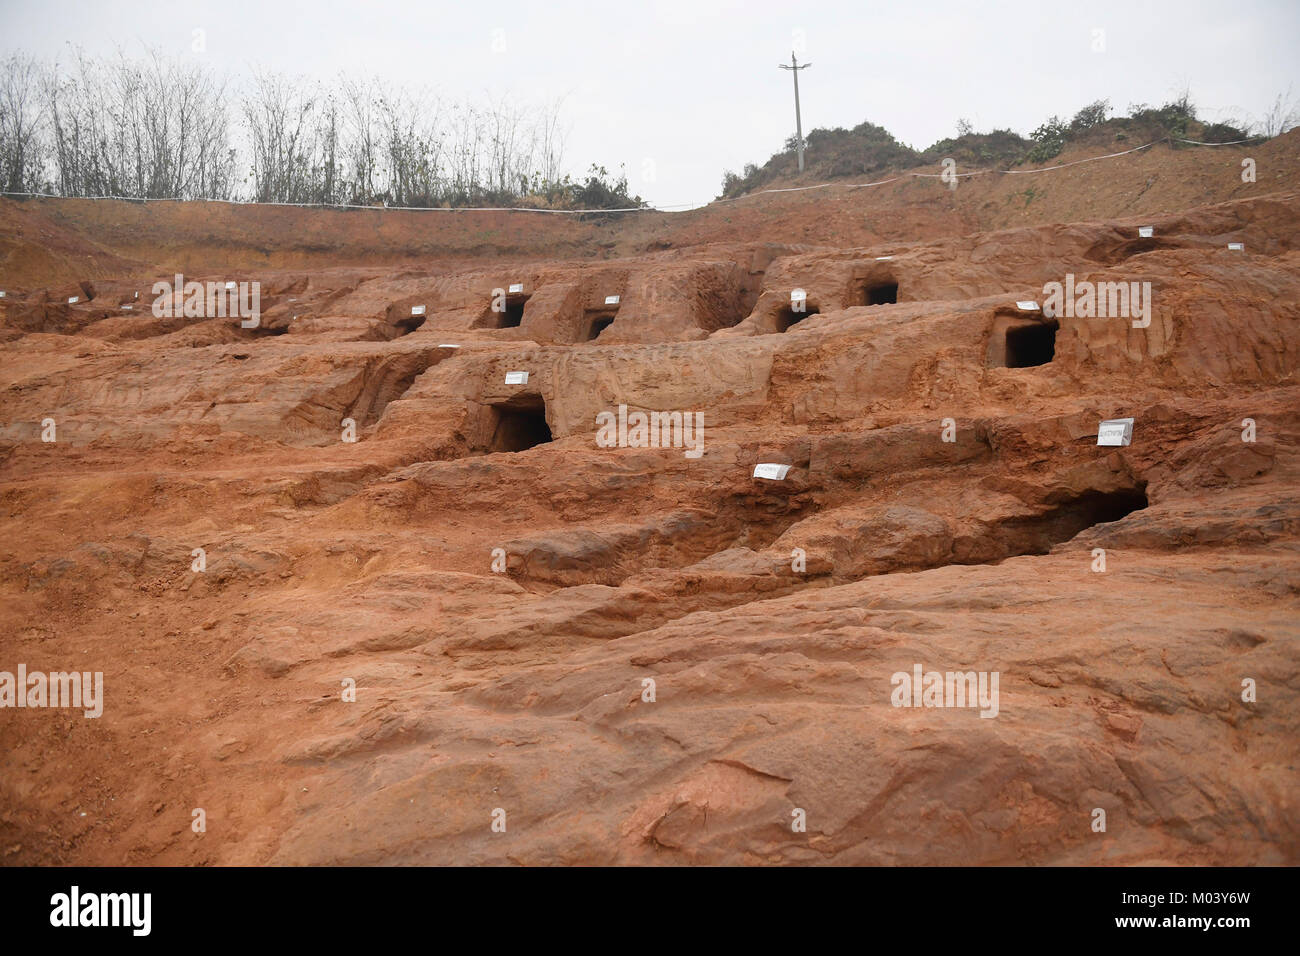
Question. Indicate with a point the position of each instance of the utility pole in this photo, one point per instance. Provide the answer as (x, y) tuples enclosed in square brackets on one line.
[(794, 68)]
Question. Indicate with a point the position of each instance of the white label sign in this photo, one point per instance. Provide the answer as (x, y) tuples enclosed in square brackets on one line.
[(1116, 431), (798, 295), (449, 345), (128, 307), (611, 300), (2, 293), (417, 310), (1030, 306), (1232, 246), (517, 287), (74, 300), (1146, 232), (516, 378), (771, 471), (883, 258)]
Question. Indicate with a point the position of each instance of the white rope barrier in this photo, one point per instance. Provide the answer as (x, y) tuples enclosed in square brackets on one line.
[(649, 208), (1235, 142), (322, 205)]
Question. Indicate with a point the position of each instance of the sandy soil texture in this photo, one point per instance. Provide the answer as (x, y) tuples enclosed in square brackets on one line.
[(483, 632)]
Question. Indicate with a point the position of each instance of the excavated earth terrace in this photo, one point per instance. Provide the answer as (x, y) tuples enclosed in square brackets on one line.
[(505, 624)]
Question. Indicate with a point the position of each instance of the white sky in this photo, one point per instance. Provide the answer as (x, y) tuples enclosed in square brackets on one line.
[(693, 85)]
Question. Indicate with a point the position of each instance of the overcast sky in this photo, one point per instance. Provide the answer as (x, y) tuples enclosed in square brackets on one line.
[(692, 86)]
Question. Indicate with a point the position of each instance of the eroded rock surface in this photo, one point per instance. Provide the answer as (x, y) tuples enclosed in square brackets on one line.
[(500, 586)]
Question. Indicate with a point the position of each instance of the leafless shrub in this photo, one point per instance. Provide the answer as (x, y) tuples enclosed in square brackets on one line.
[(283, 136), (22, 121), (1282, 116), (159, 128), (152, 129)]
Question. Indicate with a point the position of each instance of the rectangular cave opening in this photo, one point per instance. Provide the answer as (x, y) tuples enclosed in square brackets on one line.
[(520, 424), (787, 318), (1031, 345), (599, 323), (882, 293), (503, 315), (514, 313)]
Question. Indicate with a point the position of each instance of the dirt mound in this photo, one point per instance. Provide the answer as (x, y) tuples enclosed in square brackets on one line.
[(41, 241), (554, 617)]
